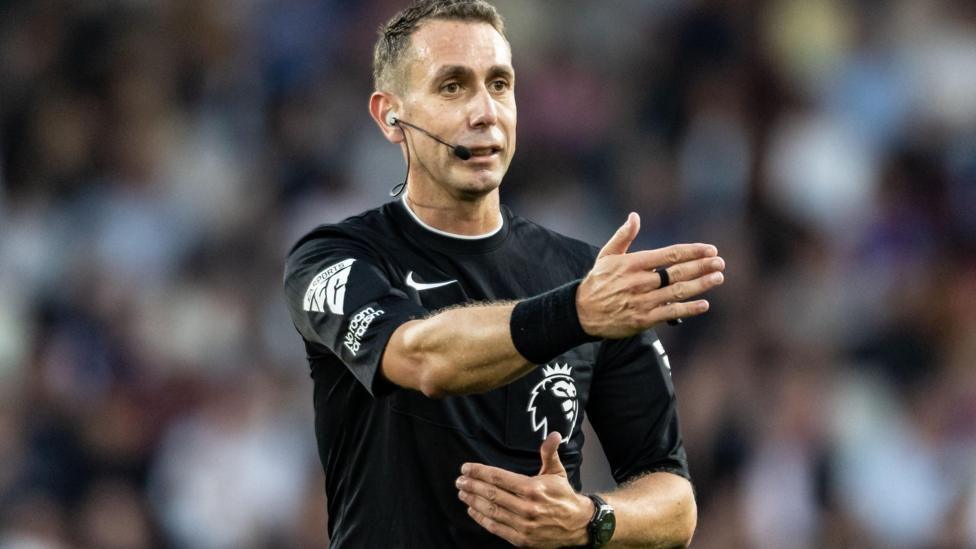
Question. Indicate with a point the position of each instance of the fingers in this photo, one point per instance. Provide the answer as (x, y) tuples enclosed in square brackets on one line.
[(542, 510), (681, 291), (673, 311), (648, 260), (677, 291), (691, 270), (470, 488), (670, 303), (647, 281), (507, 480), (500, 512), (621, 240), (622, 294), (549, 451)]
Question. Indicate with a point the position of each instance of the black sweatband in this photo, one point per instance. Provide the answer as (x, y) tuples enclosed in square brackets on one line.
[(547, 325)]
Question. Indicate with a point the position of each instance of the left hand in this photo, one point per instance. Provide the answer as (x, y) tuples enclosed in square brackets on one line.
[(539, 511)]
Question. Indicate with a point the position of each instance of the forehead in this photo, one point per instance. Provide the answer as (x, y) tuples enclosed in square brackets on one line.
[(442, 42)]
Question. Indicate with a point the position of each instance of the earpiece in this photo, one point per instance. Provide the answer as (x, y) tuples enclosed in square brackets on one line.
[(391, 118)]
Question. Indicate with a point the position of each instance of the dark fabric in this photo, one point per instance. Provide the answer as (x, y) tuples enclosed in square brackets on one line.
[(391, 455), (547, 325)]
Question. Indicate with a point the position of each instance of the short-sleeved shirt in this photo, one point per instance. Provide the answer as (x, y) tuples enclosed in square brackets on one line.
[(390, 454)]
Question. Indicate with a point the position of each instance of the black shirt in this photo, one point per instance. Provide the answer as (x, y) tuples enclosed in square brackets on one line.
[(390, 454)]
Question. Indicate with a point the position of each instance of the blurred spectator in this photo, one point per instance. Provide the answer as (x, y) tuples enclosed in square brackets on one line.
[(233, 474)]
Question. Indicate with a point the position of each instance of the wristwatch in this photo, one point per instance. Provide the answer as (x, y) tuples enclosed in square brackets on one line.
[(602, 524)]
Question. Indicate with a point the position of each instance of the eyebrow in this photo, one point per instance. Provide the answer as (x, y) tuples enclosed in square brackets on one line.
[(460, 71), (501, 70)]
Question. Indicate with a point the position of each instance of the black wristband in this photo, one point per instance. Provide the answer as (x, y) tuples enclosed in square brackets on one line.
[(547, 325)]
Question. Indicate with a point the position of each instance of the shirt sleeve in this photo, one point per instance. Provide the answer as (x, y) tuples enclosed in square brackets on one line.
[(340, 298), (633, 410)]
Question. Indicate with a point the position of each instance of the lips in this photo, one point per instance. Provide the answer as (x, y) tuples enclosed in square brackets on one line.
[(484, 151)]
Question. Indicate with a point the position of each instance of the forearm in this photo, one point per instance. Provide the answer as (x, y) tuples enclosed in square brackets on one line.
[(656, 510), (471, 349), (457, 351)]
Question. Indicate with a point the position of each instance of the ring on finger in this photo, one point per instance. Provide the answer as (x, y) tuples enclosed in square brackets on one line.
[(665, 278)]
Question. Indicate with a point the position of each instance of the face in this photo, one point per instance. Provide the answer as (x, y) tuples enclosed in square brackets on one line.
[(460, 87)]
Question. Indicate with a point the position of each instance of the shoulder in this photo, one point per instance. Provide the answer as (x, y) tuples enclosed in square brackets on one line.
[(367, 237), (362, 230)]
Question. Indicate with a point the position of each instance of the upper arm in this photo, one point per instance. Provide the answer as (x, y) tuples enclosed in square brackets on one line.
[(339, 297), (633, 409)]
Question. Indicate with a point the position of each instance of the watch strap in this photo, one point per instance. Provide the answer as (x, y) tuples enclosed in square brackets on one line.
[(598, 504)]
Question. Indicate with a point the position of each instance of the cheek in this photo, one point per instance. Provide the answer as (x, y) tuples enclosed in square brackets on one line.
[(511, 139)]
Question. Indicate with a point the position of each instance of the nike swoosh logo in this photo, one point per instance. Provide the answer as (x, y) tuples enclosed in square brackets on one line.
[(420, 286)]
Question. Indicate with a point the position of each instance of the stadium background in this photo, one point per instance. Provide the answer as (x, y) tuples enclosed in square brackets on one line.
[(159, 157)]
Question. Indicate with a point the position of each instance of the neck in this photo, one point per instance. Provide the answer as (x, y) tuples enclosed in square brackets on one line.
[(478, 216)]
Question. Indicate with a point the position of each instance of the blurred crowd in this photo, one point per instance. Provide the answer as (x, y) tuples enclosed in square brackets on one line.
[(159, 158)]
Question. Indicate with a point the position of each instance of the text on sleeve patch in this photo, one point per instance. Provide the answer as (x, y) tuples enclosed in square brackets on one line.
[(328, 288)]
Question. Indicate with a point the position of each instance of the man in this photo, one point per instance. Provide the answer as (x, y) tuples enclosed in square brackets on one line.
[(453, 343)]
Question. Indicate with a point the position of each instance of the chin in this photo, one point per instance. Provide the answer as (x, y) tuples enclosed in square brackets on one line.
[(473, 192), (478, 184)]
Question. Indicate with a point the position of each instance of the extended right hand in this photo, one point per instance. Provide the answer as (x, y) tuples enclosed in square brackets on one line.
[(622, 295)]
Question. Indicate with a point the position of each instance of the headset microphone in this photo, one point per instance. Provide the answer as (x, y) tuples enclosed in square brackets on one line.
[(459, 151)]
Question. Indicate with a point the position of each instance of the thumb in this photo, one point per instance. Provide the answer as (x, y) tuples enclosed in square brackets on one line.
[(622, 239), (550, 456)]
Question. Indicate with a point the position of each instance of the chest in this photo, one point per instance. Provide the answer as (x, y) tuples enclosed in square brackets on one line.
[(518, 416), (436, 280)]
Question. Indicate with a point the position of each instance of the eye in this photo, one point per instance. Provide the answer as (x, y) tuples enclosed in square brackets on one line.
[(451, 88), (499, 85)]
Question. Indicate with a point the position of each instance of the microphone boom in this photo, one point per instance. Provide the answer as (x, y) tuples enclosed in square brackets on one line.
[(459, 151)]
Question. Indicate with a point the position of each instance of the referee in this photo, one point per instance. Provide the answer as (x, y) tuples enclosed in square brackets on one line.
[(455, 347)]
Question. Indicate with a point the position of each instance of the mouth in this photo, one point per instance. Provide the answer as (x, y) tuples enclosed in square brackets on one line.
[(484, 152)]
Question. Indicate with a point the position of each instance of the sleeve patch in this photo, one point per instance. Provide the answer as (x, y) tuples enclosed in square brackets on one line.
[(358, 326), (328, 288)]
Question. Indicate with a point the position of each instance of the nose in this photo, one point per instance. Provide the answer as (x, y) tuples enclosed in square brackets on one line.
[(484, 112)]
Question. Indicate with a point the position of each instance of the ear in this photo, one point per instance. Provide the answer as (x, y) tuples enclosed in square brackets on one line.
[(381, 104)]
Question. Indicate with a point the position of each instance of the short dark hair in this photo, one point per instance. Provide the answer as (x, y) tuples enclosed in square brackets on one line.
[(394, 39)]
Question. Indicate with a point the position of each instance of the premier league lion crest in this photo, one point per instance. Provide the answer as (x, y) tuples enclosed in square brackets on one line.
[(553, 403)]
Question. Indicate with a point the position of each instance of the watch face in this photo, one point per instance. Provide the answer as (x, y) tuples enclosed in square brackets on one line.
[(604, 528)]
